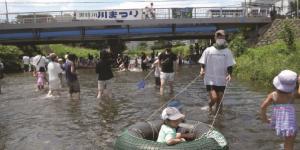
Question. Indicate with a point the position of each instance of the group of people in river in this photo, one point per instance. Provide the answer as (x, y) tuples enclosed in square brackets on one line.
[(216, 67), (50, 70)]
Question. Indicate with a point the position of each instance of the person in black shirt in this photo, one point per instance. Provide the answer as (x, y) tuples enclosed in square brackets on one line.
[(105, 74), (126, 61), (144, 62), (167, 62)]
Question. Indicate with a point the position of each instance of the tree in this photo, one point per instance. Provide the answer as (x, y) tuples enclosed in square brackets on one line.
[(142, 45), (293, 6), (238, 44), (288, 36)]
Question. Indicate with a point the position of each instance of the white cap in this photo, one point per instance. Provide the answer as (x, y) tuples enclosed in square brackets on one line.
[(171, 113), (285, 81)]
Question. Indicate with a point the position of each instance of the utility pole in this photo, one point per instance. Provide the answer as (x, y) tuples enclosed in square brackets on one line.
[(6, 12), (245, 13), (297, 8)]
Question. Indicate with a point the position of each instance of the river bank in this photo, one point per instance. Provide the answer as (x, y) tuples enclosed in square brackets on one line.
[(261, 64)]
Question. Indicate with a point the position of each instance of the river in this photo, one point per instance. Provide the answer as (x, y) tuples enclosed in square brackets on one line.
[(31, 121)]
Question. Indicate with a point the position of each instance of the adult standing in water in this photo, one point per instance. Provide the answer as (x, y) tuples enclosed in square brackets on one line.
[(71, 76), (216, 67), (105, 74), (54, 71), (167, 63), (144, 62)]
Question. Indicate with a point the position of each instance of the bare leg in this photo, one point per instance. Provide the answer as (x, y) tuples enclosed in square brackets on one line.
[(219, 99), (100, 94), (162, 85), (213, 99), (289, 143)]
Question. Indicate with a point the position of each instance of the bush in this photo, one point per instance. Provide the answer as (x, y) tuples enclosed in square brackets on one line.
[(262, 64), (238, 44), (60, 50), (10, 57)]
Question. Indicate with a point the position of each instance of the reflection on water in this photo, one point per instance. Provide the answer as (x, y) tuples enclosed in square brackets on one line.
[(30, 120)]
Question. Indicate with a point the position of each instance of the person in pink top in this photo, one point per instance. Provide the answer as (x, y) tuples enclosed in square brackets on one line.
[(41, 78)]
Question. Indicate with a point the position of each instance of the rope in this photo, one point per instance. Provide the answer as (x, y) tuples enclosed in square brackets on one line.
[(172, 98), (215, 117), (148, 74)]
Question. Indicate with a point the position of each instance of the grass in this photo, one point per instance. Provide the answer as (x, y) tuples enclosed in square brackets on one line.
[(262, 64), (61, 50)]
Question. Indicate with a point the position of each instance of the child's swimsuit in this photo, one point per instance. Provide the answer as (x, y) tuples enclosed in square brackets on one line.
[(283, 118)]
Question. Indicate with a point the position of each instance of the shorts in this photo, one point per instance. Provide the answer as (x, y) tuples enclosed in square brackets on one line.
[(74, 86), (157, 81), (216, 88), (104, 84), (167, 76)]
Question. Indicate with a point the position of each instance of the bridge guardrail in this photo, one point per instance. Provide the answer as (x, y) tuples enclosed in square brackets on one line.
[(159, 13)]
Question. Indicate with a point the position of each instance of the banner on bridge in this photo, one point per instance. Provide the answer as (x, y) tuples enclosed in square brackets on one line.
[(134, 14)]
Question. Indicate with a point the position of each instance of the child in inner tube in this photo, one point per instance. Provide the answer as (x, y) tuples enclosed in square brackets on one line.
[(167, 133), (183, 131)]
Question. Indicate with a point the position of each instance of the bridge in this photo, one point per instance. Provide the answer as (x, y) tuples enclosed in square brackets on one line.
[(127, 24)]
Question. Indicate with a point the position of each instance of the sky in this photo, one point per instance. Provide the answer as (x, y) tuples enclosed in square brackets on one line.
[(59, 5)]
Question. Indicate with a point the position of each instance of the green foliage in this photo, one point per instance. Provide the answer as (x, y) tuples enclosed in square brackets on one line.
[(31, 50), (176, 50), (181, 49), (238, 44), (142, 46), (262, 64), (293, 6), (288, 36), (160, 44), (10, 57), (61, 50)]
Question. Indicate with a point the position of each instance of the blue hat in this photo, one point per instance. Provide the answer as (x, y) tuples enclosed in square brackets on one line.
[(175, 103)]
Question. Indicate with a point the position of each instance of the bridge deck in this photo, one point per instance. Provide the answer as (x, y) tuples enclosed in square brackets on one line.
[(80, 26)]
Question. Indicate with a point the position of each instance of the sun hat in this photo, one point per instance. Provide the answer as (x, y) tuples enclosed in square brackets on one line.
[(175, 103), (171, 113), (285, 81)]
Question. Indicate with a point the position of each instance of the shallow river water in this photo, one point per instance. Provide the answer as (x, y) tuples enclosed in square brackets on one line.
[(31, 121)]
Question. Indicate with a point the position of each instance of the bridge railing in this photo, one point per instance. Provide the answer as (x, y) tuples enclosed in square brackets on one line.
[(132, 14)]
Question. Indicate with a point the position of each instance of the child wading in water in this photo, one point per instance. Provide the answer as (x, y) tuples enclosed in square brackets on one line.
[(41, 78), (283, 118), (167, 133)]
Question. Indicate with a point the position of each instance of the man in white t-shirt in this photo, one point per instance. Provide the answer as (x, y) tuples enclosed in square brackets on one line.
[(54, 70), (39, 61), (216, 68)]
